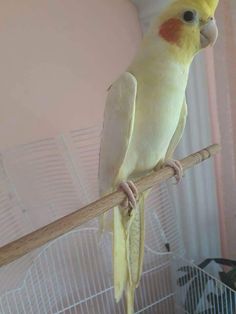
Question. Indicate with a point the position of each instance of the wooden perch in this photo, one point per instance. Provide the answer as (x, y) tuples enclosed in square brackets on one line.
[(12, 251)]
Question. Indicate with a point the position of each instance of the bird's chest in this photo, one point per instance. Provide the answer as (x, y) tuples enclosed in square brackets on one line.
[(156, 119)]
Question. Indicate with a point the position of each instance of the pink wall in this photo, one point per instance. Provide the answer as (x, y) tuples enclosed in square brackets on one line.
[(57, 59), (223, 102)]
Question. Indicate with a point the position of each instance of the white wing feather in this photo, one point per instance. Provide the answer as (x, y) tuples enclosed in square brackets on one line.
[(117, 129)]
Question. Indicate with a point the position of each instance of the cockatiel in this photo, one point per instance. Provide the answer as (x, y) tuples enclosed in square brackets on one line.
[(144, 120)]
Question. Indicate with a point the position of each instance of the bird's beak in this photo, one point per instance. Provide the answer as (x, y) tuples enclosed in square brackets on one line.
[(208, 33)]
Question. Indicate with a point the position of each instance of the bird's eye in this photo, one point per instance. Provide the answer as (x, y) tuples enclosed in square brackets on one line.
[(189, 16)]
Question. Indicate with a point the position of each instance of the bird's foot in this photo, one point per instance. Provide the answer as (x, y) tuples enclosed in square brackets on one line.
[(176, 165), (132, 195)]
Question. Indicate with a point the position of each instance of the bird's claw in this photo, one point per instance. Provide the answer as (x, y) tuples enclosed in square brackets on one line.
[(132, 195), (176, 165)]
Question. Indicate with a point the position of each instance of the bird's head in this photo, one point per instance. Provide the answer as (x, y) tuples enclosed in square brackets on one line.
[(188, 25)]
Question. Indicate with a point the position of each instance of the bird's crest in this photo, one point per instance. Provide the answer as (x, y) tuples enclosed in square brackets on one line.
[(206, 6), (212, 4)]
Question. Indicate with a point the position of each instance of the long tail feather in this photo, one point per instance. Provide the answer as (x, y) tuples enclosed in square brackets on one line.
[(135, 243), (130, 299), (134, 251), (119, 254), (128, 251)]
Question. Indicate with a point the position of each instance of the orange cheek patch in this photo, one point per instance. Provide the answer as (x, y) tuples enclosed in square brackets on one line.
[(171, 30)]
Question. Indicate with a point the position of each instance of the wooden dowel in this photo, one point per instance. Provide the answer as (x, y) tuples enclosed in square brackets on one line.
[(12, 251)]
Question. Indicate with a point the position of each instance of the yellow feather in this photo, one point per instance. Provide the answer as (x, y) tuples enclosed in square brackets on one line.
[(212, 4), (205, 7)]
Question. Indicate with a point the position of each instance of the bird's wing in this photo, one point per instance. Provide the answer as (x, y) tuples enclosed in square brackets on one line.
[(117, 129), (178, 132)]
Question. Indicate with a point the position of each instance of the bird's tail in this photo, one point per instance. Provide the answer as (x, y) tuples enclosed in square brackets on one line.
[(128, 251), (130, 290), (120, 269)]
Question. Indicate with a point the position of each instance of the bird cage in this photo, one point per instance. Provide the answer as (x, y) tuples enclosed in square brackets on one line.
[(73, 274)]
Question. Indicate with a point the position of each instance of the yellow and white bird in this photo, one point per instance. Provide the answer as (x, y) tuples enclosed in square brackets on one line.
[(144, 120)]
